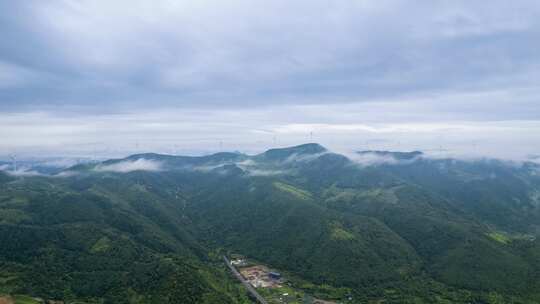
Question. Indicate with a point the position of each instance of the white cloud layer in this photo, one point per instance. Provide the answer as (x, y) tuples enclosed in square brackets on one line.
[(23, 172), (373, 159), (125, 53), (266, 172), (118, 77), (342, 128), (130, 166)]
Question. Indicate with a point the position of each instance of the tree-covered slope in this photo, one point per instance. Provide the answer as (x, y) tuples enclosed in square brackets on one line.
[(146, 229), (75, 239)]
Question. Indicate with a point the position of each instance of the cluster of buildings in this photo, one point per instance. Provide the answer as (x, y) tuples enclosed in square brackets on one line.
[(260, 276), (240, 262)]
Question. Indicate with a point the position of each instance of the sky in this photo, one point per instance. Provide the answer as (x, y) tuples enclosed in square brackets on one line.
[(110, 78)]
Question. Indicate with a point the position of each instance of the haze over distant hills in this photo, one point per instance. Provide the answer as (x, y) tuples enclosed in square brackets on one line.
[(147, 148), (150, 228)]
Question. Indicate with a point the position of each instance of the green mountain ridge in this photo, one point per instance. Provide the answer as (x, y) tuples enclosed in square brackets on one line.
[(424, 231)]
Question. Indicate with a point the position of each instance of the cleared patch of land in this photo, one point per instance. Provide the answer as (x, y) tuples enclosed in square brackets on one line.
[(506, 238), (499, 237), (102, 245), (21, 299), (259, 276), (6, 300), (340, 233), (296, 192)]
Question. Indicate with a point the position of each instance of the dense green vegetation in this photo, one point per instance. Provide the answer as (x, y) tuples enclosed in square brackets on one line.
[(413, 231), (61, 242)]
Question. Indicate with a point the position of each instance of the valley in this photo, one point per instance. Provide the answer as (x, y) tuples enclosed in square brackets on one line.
[(336, 229)]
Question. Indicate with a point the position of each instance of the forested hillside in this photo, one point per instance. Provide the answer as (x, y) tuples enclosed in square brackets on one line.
[(150, 228)]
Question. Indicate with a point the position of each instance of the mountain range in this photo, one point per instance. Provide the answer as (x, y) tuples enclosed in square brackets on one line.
[(380, 226)]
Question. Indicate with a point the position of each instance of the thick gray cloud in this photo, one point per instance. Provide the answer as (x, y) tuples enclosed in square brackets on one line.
[(75, 74)]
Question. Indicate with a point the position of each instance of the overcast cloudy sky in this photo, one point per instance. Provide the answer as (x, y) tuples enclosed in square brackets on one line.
[(117, 77)]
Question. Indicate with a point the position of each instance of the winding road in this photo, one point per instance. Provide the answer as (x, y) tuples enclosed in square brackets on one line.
[(248, 286)]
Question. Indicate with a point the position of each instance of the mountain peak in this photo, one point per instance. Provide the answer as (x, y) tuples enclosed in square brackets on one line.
[(280, 153)]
